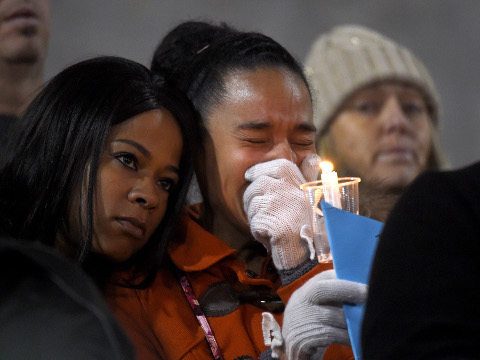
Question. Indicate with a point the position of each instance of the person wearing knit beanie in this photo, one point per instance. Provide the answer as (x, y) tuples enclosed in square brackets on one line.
[(376, 110)]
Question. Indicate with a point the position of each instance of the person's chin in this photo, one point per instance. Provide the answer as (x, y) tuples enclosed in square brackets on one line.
[(27, 54), (119, 250), (397, 175)]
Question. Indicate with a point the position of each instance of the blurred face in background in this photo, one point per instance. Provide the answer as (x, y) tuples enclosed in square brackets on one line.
[(383, 132), (24, 30)]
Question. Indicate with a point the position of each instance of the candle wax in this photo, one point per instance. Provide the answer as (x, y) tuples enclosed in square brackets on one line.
[(330, 188)]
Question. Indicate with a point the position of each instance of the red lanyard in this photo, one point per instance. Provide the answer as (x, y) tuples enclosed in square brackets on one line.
[(201, 318)]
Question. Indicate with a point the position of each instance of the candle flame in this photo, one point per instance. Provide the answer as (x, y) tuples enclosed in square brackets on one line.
[(326, 166)]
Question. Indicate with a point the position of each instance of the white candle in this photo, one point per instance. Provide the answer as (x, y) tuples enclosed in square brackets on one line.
[(330, 184)]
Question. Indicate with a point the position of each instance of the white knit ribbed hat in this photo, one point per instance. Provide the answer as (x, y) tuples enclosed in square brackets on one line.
[(350, 57)]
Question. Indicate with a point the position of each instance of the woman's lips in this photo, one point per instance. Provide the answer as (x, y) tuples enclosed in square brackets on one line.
[(22, 16), (23, 12), (395, 155), (132, 226)]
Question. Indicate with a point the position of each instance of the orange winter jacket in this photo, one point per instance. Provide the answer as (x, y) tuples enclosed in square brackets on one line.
[(162, 325)]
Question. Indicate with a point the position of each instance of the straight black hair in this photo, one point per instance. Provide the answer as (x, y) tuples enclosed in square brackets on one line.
[(55, 148)]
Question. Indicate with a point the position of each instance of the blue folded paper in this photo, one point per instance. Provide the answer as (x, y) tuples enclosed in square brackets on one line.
[(353, 240)]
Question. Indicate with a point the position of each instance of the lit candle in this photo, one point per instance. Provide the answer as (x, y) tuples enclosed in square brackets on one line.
[(330, 184)]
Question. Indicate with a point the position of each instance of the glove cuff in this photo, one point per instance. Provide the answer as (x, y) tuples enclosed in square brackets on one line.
[(289, 254), (287, 276)]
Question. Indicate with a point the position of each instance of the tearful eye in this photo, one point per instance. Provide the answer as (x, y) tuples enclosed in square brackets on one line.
[(129, 160)]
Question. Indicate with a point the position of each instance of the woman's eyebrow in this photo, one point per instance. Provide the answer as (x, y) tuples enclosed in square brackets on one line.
[(174, 169), (260, 125), (306, 126), (135, 144), (254, 125)]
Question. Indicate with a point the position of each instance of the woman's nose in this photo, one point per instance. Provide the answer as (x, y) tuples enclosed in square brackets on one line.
[(145, 193), (392, 116), (284, 151)]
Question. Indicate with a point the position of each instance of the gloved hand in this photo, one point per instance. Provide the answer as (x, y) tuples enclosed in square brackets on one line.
[(277, 210), (314, 318), (272, 335)]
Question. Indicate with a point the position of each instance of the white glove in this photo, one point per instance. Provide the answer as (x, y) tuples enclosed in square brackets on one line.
[(277, 210), (272, 335), (314, 318)]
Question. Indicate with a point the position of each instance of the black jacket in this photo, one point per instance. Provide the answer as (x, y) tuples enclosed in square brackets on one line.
[(49, 309), (424, 294)]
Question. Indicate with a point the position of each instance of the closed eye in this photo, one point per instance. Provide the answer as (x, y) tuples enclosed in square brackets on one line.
[(304, 143), (256, 141)]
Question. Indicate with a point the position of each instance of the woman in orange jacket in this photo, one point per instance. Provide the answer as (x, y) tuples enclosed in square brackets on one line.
[(244, 249)]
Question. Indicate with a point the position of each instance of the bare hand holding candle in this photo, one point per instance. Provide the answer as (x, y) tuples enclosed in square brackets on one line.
[(339, 192)]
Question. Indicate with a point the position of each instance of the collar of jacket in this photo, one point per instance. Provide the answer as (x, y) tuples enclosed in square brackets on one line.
[(199, 249)]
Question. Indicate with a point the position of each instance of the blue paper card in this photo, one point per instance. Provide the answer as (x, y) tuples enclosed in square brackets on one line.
[(353, 240)]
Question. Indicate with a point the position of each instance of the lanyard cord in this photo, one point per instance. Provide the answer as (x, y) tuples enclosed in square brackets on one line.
[(201, 318)]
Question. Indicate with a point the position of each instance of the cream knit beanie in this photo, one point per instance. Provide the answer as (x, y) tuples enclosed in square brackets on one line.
[(350, 57)]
